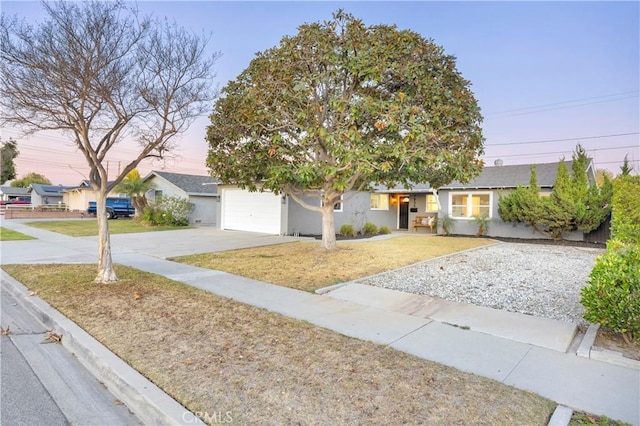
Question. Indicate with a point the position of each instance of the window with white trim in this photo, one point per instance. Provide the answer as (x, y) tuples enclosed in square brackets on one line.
[(337, 207), (157, 194), (379, 202), (467, 205), (432, 203)]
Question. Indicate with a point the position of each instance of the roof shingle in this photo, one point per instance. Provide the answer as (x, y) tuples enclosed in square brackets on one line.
[(191, 184), (512, 176)]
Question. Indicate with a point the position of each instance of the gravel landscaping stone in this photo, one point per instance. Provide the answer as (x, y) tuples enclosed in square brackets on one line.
[(544, 281)]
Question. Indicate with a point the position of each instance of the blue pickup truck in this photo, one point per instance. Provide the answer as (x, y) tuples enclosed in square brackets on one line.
[(115, 207)]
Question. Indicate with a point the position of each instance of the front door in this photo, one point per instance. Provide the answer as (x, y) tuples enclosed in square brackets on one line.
[(403, 217)]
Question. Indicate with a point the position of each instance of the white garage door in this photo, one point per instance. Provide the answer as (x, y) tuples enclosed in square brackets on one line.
[(251, 211)]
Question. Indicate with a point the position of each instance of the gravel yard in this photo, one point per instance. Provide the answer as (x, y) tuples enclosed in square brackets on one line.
[(539, 280)]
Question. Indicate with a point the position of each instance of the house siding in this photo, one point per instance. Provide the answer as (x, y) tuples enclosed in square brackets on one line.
[(356, 211), (78, 199), (204, 212)]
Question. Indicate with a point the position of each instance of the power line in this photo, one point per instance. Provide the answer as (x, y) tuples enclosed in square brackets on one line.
[(618, 162), (564, 102), (564, 140), (565, 107), (558, 152)]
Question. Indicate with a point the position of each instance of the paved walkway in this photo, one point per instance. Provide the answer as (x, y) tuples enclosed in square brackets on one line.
[(495, 344)]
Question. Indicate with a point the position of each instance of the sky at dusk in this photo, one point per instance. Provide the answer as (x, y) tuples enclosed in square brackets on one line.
[(547, 75)]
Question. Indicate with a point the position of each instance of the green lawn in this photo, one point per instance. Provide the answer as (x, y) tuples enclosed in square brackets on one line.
[(89, 227), (11, 235)]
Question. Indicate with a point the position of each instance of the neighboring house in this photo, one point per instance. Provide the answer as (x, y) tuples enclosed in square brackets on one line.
[(46, 194), (8, 193), (201, 191), (78, 197), (396, 208)]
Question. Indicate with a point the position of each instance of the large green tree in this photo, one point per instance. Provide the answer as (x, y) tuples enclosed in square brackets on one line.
[(342, 106), (8, 153), (99, 72), (30, 178)]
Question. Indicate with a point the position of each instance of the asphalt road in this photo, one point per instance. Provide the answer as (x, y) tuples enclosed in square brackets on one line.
[(43, 384)]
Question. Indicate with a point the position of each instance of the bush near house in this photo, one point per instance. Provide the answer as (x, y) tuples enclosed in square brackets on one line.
[(612, 295), (370, 229), (625, 222), (171, 210), (347, 230), (384, 229)]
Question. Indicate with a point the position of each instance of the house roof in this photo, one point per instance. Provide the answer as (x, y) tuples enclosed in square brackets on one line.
[(14, 190), (86, 184), (511, 176), (191, 184), (496, 177), (48, 190)]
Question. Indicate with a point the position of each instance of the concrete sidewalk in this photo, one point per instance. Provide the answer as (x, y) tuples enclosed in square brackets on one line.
[(527, 353)]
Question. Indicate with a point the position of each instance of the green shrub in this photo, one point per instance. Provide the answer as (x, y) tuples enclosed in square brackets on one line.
[(370, 229), (347, 230), (448, 224), (625, 220), (171, 211), (384, 229), (612, 295), (483, 224)]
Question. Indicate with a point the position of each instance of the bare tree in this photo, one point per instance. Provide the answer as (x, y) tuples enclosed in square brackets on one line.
[(101, 73)]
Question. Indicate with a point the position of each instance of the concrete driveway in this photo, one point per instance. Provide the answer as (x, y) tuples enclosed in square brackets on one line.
[(191, 241), (51, 247)]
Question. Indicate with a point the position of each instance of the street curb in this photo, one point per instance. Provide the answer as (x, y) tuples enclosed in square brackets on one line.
[(147, 401), (588, 350), (587, 341), (613, 357)]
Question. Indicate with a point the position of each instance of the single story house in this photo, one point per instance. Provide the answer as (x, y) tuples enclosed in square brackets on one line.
[(78, 197), (397, 208), (201, 191), (8, 193), (47, 194)]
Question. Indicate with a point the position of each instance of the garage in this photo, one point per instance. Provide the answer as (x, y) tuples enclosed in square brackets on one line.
[(251, 211)]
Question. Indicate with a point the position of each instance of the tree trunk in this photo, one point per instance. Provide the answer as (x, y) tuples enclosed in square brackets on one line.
[(106, 272), (328, 229), (139, 202)]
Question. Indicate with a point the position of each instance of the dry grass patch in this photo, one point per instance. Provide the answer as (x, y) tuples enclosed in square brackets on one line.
[(215, 355), (304, 266)]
